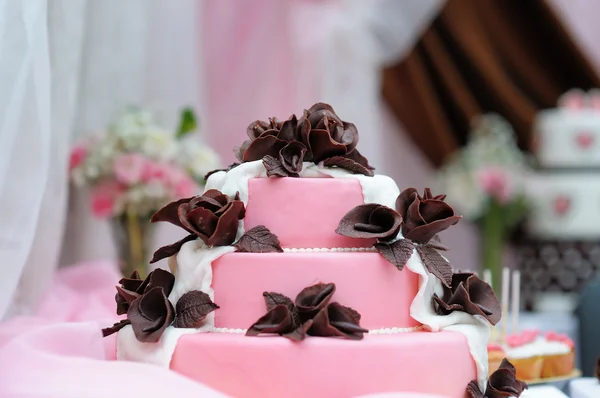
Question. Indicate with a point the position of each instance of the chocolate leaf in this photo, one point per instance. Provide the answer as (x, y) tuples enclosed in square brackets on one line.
[(437, 244), (348, 164), (192, 308), (370, 221), (336, 320), (278, 320), (473, 390), (273, 299), (436, 264), (275, 168), (115, 328), (397, 252), (259, 240), (172, 249), (313, 298)]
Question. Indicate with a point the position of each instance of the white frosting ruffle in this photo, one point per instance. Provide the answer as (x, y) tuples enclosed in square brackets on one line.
[(194, 271)]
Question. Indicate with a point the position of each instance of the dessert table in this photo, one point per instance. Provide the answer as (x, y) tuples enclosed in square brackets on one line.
[(586, 387)]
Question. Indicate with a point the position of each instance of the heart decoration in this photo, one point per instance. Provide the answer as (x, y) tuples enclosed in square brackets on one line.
[(585, 139), (561, 205)]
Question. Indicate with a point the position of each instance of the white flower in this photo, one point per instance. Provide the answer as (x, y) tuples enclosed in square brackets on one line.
[(155, 189), (199, 159), (159, 144)]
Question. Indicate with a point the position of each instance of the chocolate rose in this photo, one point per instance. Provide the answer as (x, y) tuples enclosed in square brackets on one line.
[(425, 216), (502, 383), (370, 221), (313, 299), (269, 138), (133, 287), (150, 314), (335, 320), (319, 135), (212, 217), (469, 294)]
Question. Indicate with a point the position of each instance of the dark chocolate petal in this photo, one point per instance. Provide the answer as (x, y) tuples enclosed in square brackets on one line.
[(192, 308), (150, 315), (124, 299), (278, 320), (172, 249), (257, 128), (443, 308), (263, 146), (436, 264), (275, 168), (370, 221), (424, 233), (288, 130), (158, 278), (115, 328), (336, 320), (133, 282), (504, 383), (169, 213), (437, 244), (323, 147), (432, 210), (239, 151), (291, 157), (473, 390), (405, 199), (313, 298), (348, 164), (397, 252), (227, 226), (203, 221), (259, 240)]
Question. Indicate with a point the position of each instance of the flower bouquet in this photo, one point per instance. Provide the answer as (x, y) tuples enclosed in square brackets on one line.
[(485, 181), (135, 168)]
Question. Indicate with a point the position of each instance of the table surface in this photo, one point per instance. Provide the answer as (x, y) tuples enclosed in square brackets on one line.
[(543, 392), (587, 387)]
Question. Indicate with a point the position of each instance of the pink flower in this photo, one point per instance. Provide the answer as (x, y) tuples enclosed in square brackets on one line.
[(78, 155), (495, 182), (129, 168), (103, 198), (154, 171), (185, 188)]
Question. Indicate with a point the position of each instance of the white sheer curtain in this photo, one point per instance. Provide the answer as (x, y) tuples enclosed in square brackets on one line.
[(66, 68)]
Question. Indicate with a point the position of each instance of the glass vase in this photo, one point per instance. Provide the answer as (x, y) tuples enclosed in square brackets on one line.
[(132, 236)]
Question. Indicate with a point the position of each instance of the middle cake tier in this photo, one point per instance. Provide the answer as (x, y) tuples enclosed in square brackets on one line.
[(364, 281)]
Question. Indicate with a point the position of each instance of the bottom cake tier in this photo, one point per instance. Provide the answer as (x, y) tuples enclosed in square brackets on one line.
[(274, 367)]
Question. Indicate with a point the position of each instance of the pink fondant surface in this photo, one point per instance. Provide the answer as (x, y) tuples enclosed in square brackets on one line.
[(364, 281), (304, 212), (274, 367)]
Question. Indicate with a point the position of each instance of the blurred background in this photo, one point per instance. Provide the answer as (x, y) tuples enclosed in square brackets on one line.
[(491, 102)]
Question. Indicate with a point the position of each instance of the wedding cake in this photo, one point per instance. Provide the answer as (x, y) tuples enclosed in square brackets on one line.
[(304, 274)]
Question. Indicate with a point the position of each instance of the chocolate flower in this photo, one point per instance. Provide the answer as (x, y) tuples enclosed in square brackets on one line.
[(425, 216), (335, 320), (501, 384), (469, 294), (133, 287), (212, 217), (319, 135), (311, 313), (150, 314), (148, 309), (370, 221)]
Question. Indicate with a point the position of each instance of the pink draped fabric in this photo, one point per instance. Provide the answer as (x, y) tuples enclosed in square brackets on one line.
[(59, 352)]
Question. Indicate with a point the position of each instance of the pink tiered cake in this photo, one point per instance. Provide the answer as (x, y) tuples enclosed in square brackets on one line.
[(306, 275)]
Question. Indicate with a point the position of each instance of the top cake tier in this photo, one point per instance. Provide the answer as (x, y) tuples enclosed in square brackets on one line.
[(568, 138), (304, 212)]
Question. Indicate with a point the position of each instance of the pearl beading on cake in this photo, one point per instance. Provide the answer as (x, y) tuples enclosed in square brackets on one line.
[(374, 331), (333, 249)]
